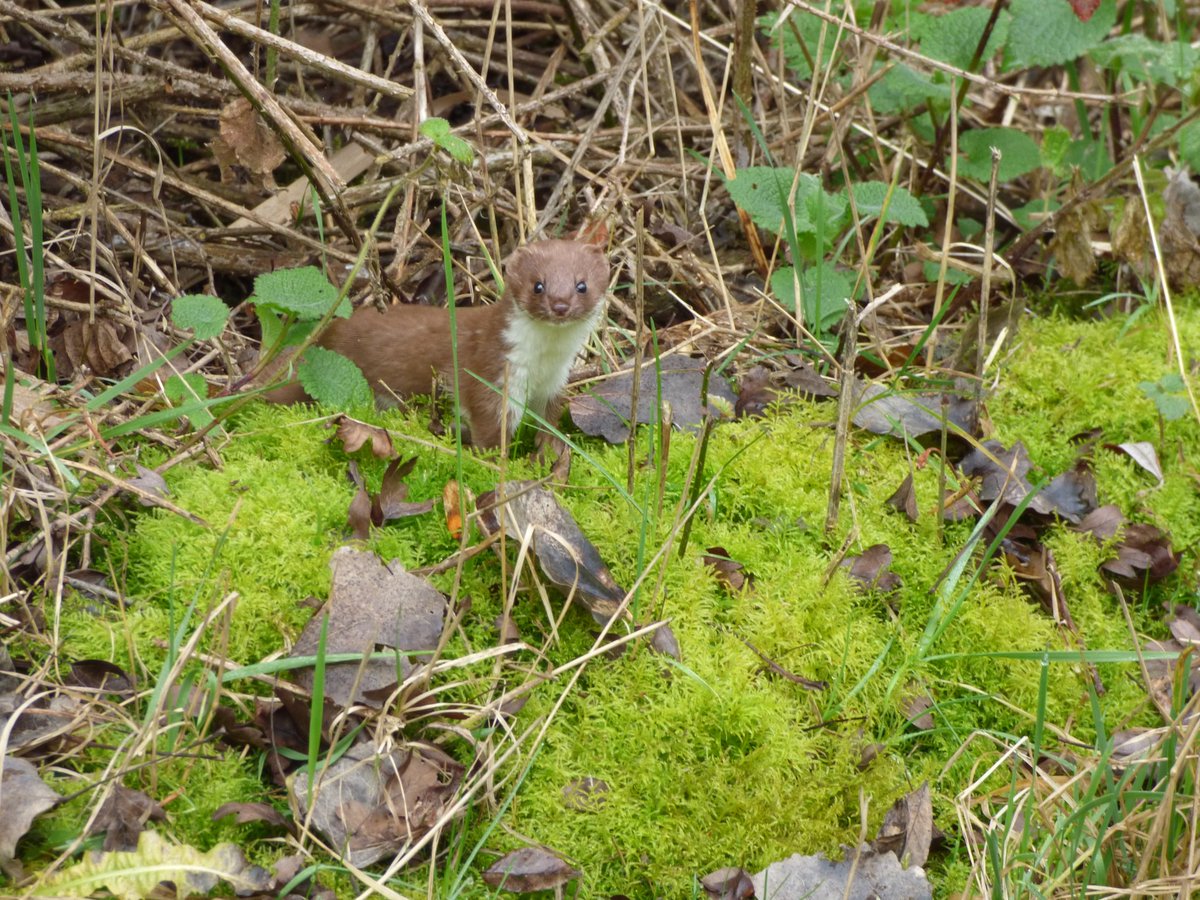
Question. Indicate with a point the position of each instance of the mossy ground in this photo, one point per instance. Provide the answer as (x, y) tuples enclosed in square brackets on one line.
[(721, 763)]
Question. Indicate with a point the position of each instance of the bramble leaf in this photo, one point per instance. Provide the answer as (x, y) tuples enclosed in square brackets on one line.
[(332, 380), (304, 292), (204, 314)]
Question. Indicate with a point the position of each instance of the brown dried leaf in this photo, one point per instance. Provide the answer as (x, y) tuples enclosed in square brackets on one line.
[(1144, 556), (244, 813), (100, 675), (916, 709), (870, 570), (1144, 454), (529, 869), (370, 605), (122, 817), (905, 499), (26, 797), (1034, 566), (151, 482), (1102, 523), (566, 557), (907, 828), (730, 883), (393, 502), (354, 434), (731, 574), (358, 516), (246, 140), (370, 804)]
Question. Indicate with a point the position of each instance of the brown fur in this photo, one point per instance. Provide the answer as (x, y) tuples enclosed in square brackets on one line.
[(401, 351)]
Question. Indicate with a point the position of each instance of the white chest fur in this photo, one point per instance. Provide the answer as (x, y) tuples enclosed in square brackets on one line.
[(540, 355)]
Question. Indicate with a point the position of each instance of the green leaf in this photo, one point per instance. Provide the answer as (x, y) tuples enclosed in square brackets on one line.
[(188, 388), (903, 89), (796, 35), (1056, 140), (204, 314), (304, 292), (438, 131), (825, 292), (332, 380), (1019, 153), (1048, 33), (1189, 145), (953, 36), (762, 192), (902, 209), (1168, 395)]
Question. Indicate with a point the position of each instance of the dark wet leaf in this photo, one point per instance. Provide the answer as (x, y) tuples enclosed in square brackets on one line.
[(1102, 523), (728, 884), (871, 570), (151, 482), (883, 410), (370, 804), (585, 794), (1071, 495), (566, 557), (606, 410), (757, 393), (904, 499), (354, 434), (1144, 556), (1184, 624), (802, 377), (23, 797), (372, 605), (244, 813), (358, 516), (1034, 566), (907, 829), (392, 502), (100, 675), (731, 574), (122, 817), (862, 875), (916, 711), (529, 869)]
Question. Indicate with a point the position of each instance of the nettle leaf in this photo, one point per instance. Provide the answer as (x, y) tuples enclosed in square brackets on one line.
[(824, 290), (796, 35), (1019, 153), (438, 131), (902, 209), (953, 36), (204, 314), (304, 292), (1048, 33), (762, 192), (903, 88), (332, 380)]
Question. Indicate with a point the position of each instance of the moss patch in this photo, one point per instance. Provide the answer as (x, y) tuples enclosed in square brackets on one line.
[(721, 763)]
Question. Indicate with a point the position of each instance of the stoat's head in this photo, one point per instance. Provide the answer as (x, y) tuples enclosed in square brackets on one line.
[(556, 280)]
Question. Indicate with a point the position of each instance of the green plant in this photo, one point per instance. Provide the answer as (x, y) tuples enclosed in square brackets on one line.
[(1169, 395)]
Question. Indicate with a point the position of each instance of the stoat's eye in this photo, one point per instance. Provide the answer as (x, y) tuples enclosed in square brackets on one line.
[(538, 287), (581, 287)]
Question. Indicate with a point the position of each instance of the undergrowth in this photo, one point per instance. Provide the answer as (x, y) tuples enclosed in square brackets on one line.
[(722, 763)]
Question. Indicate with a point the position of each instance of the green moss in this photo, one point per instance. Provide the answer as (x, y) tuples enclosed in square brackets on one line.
[(754, 763)]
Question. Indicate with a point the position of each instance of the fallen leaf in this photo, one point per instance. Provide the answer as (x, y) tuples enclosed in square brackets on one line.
[(871, 570), (123, 815), (97, 345), (358, 516), (245, 140), (151, 482), (1144, 556), (100, 675), (370, 804), (1144, 454), (803, 378), (371, 605), (566, 557), (916, 710), (452, 506), (137, 874), (585, 794), (1071, 495), (756, 394), (907, 828), (730, 883), (245, 813), (1102, 523), (917, 416), (25, 797), (606, 410), (862, 875), (528, 870), (729, 573), (392, 502), (904, 499), (1036, 569), (355, 434)]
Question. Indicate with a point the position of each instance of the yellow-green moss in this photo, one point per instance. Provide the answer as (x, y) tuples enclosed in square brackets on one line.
[(730, 765)]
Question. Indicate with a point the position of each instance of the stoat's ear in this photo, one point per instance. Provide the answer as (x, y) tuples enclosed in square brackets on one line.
[(593, 233)]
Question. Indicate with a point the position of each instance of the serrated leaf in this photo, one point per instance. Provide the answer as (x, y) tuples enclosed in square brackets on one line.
[(204, 314), (902, 209), (1189, 145), (1019, 153), (824, 291), (1048, 33), (434, 128), (953, 36), (137, 874), (762, 191), (304, 292), (332, 380), (1056, 140), (903, 89), (799, 33), (189, 388)]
